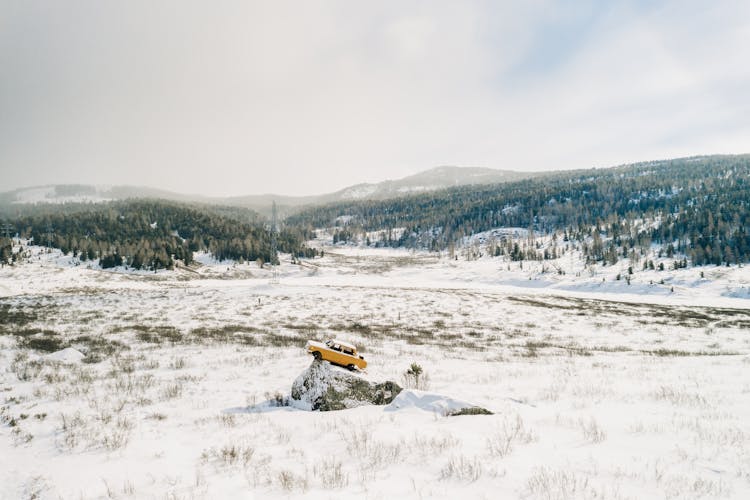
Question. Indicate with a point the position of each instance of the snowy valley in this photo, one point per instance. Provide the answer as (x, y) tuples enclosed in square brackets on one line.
[(175, 384)]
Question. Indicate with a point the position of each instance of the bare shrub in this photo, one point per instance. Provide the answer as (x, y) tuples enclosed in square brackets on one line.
[(172, 391), (592, 432), (681, 397), (36, 487), (229, 455), (178, 363), (509, 433), (277, 399), (228, 420), (380, 454), (20, 436), (431, 446), (128, 488), (53, 374), (232, 454), (132, 384), (117, 437), (123, 364), (551, 484), (71, 431), (289, 481), (81, 376), (358, 439), (24, 369), (682, 486), (462, 468), (150, 364), (374, 455), (331, 474)]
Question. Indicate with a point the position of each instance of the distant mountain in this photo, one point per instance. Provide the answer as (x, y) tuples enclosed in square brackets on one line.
[(84, 193), (429, 180)]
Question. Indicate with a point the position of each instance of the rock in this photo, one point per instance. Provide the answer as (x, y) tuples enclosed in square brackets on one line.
[(325, 387), (67, 355)]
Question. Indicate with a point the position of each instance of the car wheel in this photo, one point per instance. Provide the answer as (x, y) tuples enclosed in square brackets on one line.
[(317, 356), (351, 368)]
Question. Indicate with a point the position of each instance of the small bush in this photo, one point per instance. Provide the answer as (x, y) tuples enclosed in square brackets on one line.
[(469, 410), (416, 378)]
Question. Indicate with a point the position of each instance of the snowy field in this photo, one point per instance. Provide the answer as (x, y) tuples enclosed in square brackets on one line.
[(169, 384)]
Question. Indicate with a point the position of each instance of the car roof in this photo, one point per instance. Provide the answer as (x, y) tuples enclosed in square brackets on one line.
[(344, 344)]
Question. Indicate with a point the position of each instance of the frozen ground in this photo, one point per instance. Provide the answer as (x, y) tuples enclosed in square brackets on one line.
[(600, 389)]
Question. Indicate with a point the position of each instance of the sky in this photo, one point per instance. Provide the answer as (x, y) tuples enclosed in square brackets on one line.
[(240, 97)]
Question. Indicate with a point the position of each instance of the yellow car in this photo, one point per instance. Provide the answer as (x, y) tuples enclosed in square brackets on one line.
[(337, 352)]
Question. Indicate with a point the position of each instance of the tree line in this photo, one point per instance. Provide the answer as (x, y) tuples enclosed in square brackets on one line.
[(153, 234)]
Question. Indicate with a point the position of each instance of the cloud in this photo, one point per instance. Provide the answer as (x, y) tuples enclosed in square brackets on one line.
[(299, 97)]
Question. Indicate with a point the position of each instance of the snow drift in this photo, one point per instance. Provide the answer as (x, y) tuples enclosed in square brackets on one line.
[(67, 355), (437, 403)]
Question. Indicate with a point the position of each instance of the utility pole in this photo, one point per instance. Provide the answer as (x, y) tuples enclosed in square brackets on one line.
[(274, 243), (6, 228), (49, 235)]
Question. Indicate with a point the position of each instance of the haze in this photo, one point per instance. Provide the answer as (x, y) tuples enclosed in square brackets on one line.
[(239, 97)]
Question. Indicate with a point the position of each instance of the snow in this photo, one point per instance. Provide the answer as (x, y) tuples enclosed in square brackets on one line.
[(415, 189), (67, 355), (427, 401), (207, 259), (359, 192), (599, 389), (344, 219)]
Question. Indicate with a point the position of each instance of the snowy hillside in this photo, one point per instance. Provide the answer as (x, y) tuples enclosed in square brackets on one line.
[(429, 180)]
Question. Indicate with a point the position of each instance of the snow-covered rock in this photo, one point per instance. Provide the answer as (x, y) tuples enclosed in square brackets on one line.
[(325, 387), (437, 403), (67, 355)]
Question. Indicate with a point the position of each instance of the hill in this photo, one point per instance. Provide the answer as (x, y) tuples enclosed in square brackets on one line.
[(695, 207)]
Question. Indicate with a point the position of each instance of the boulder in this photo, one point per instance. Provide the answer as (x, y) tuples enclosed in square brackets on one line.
[(325, 387)]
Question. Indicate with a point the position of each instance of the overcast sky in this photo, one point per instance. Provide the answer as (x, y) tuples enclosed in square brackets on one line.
[(242, 97)]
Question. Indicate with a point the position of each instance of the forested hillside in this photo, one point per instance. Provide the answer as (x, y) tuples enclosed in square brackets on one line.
[(151, 234), (694, 207)]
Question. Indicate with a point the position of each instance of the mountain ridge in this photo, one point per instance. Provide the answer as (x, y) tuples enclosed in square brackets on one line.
[(432, 179)]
